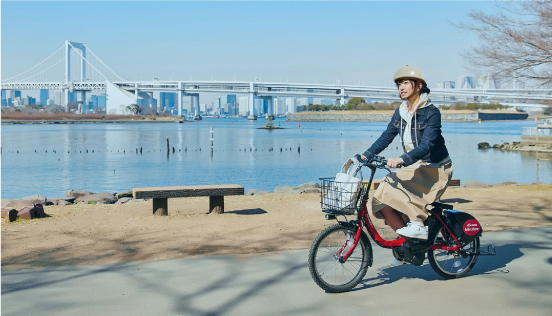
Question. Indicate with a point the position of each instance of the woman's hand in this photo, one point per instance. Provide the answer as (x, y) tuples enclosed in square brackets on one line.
[(394, 162)]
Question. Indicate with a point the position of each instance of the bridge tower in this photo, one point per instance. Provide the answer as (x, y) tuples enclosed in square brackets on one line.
[(67, 84)]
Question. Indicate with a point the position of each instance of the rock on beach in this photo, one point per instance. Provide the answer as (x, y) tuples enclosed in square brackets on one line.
[(99, 198)]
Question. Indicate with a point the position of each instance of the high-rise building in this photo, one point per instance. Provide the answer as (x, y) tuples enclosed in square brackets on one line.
[(44, 96), (15, 94), (465, 82), (29, 100), (232, 104), (258, 108), (291, 105), (167, 100), (326, 102), (486, 82), (4, 99), (243, 106), (280, 106), (445, 85)]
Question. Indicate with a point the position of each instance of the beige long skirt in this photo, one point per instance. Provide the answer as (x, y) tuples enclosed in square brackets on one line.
[(408, 190)]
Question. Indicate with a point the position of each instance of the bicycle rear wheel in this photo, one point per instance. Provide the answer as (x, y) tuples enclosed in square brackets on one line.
[(451, 264), (325, 266)]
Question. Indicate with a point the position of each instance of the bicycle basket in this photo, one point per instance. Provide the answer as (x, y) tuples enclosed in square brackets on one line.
[(342, 197)]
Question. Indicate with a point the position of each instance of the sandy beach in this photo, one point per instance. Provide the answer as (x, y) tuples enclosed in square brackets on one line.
[(91, 234)]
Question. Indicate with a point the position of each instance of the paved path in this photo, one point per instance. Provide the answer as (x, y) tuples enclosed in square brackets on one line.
[(518, 281)]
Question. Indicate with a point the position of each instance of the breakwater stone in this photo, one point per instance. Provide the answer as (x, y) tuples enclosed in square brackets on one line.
[(99, 198), (77, 193)]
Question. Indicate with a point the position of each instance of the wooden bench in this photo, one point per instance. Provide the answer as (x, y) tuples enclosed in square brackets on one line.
[(452, 183), (215, 193)]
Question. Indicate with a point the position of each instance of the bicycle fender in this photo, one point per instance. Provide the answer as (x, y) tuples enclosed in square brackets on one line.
[(363, 236)]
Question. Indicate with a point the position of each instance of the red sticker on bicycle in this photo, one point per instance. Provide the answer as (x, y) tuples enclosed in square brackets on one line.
[(471, 227)]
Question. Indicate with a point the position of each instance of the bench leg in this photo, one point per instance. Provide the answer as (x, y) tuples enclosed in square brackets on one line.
[(160, 207), (216, 204)]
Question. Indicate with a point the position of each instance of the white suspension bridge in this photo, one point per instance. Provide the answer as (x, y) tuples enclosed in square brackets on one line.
[(75, 68)]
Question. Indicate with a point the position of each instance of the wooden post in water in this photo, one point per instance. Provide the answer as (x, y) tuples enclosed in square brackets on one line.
[(212, 138)]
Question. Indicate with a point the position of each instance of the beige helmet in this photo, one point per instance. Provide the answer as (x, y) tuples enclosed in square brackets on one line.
[(409, 71)]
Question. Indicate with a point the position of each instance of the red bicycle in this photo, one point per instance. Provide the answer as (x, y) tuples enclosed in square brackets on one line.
[(341, 254)]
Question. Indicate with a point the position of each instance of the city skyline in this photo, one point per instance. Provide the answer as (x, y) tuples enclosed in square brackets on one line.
[(350, 42)]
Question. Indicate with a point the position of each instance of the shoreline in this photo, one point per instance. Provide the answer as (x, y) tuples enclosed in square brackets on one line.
[(84, 121), (85, 234), (385, 116), (309, 187)]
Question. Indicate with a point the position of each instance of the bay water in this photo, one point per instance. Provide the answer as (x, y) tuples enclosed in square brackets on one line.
[(49, 159)]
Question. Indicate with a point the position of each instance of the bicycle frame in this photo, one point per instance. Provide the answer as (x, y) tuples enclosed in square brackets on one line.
[(364, 217)]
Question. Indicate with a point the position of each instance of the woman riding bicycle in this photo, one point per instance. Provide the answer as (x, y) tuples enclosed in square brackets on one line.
[(403, 195)]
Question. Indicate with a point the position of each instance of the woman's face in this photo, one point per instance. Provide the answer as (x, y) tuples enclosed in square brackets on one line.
[(406, 88)]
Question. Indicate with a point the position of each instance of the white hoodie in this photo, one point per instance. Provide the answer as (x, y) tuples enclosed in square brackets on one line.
[(407, 116)]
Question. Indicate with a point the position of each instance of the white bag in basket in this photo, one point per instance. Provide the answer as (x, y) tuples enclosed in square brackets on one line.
[(344, 189)]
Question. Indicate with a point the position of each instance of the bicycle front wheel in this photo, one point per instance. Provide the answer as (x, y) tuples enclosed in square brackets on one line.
[(327, 268)]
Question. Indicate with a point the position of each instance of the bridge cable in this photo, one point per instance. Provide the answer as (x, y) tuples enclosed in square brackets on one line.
[(102, 62), (89, 63), (43, 70), (36, 65)]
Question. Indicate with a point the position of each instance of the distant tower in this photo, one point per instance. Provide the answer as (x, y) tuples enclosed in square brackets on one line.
[(82, 51)]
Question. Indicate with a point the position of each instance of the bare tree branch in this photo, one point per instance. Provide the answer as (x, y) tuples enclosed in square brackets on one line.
[(514, 42)]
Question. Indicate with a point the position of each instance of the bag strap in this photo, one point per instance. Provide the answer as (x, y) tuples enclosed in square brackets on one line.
[(350, 164)]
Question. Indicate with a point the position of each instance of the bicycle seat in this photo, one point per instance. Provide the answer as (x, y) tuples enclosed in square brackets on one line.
[(442, 206)]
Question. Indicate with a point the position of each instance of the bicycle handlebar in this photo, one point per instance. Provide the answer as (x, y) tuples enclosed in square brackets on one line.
[(377, 161)]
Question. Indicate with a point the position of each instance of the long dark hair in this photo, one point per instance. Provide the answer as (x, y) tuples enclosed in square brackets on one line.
[(424, 89)]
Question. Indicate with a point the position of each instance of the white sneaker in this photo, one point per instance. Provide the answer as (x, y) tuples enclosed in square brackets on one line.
[(413, 230), (396, 262)]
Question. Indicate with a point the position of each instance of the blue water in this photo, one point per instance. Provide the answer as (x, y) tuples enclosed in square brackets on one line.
[(242, 154)]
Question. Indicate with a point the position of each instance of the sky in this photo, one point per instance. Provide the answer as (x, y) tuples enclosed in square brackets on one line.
[(300, 42)]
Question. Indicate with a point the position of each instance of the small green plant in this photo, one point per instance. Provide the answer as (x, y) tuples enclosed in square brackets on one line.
[(91, 202)]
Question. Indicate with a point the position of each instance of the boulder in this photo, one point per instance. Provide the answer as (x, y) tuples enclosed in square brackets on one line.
[(256, 192), (17, 204), (77, 193), (61, 201), (31, 212), (123, 200), (317, 191), (483, 145), (36, 199), (10, 214), (472, 184), (504, 184), (6, 202), (309, 185), (496, 146), (286, 189), (125, 194), (99, 198), (135, 201)]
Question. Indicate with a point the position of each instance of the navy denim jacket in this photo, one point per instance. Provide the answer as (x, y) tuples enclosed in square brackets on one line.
[(429, 144)]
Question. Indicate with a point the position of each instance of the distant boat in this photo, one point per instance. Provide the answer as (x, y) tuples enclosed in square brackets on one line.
[(252, 117)]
